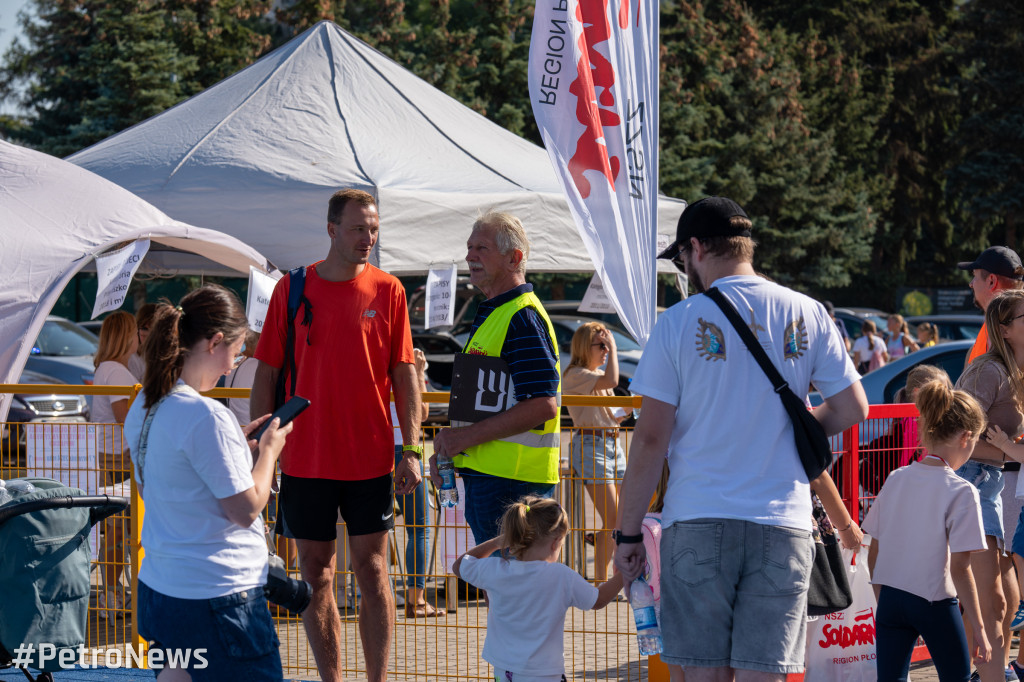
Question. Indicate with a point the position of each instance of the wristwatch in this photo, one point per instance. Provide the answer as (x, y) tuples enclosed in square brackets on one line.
[(418, 449), (621, 539)]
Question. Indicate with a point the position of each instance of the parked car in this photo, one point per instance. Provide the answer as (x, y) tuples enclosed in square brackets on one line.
[(959, 327), (440, 349), (27, 408), (854, 318), (467, 298), (882, 384), (63, 350)]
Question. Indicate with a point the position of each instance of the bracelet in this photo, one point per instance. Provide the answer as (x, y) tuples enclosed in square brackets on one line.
[(848, 526), (418, 449)]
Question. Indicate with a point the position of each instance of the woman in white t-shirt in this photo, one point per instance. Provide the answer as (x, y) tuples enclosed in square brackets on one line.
[(529, 591), (924, 525), (595, 453), (118, 342), (201, 585), (869, 350)]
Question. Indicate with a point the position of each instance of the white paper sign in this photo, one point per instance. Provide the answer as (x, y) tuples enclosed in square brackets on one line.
[(65, 453), (596, 300), (261, 286), (114, 272), (441, 296)]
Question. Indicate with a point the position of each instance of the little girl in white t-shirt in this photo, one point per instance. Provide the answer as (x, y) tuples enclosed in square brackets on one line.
[(529, 592), (924, 525)]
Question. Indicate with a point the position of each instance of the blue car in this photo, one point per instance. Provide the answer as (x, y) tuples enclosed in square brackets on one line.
[(64, 350)]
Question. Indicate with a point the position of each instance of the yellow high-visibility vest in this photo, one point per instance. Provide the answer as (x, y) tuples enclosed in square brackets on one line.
[(532, 455)]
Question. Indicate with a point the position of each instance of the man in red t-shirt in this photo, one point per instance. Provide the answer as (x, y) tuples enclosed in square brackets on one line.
[(348, 358)]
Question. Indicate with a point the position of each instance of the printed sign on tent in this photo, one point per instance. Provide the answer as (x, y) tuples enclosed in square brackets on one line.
[(593, 80), (114, 272), (441, 297), (595, 300), (261, 286)]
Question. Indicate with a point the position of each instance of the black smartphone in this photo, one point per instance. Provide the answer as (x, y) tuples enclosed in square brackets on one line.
[(287, 412)]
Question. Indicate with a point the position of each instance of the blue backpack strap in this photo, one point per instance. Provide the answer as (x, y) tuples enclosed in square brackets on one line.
[(296, 299)]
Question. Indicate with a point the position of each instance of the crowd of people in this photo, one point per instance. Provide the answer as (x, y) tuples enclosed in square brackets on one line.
[(729, 532)]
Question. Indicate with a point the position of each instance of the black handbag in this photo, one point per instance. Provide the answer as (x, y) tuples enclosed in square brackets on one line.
[(829, 588), (811, 442)]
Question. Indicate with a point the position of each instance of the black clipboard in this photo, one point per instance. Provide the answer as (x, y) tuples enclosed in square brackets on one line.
[(481, 388)]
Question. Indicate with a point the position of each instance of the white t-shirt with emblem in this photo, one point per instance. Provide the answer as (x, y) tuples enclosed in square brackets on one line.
[(732, 452)]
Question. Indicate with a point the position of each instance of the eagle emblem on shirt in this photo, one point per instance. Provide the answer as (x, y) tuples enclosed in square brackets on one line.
[(710, 342), (795, 339)]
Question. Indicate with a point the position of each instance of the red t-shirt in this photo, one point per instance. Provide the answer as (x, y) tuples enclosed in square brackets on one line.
[(360, 332)]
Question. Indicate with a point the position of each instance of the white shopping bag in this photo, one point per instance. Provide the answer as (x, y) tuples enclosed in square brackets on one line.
[(841, 646)]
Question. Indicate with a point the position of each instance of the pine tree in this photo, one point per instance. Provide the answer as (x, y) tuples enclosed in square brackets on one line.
[(91, 68), (734, 121), (988, 181)]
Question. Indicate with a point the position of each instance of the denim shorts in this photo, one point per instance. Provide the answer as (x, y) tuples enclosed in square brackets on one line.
[(236, 631), (1012, 508), (734, 594), (597, 459), (988, 480)]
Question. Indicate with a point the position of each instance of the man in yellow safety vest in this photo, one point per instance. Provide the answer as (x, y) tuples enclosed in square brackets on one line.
[(515, 452)]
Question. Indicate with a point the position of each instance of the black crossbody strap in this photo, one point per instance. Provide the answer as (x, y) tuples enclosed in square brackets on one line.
[(778, 383)]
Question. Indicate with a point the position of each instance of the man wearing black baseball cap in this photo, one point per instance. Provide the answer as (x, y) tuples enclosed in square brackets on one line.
[(997, 268), (735, 471)]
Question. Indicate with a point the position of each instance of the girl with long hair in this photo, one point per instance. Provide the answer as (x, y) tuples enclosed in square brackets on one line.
[(595, 453), (926, 528), (996, 381), (900, 340), (201, 585)]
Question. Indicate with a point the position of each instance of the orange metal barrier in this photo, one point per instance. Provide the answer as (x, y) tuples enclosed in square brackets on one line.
[(598, 644)]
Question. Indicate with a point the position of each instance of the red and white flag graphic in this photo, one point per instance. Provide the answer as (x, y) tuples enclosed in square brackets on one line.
[(594, 90)]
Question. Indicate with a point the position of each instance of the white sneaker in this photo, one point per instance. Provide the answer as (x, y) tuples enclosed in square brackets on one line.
[(110, 604)]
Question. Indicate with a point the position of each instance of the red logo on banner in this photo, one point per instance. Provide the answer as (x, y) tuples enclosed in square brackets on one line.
[(624, 13), (594, 72), (862, 632)]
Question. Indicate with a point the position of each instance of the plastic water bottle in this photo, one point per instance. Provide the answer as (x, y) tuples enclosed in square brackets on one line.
[(648, 634), (448, 494)]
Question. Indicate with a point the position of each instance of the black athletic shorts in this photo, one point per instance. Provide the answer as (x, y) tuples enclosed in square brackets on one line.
[(308, 507)]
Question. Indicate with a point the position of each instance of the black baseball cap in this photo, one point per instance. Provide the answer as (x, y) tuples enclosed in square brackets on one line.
[(709, 217), (999, 260)]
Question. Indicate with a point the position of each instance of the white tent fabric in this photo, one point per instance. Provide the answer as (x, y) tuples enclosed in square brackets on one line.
[(55, 218), (259, 154)]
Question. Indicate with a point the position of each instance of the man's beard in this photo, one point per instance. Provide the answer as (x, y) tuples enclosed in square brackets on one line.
[(691, 273)]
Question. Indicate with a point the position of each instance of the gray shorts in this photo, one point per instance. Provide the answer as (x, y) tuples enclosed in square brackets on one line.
[(734, 594)]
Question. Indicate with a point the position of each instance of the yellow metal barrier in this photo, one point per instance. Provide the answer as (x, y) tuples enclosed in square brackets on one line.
[(598, 644)]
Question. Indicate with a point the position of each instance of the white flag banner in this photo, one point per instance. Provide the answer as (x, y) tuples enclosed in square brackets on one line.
[(594, 89), (440, 297), (114, 272), (261, 286), (595, 300)]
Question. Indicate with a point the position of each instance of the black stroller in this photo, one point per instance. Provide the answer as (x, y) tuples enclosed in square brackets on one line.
[(44, 568)]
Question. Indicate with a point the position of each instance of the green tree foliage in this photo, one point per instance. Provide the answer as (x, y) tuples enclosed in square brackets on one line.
[(902, 52), (735, 121), (90, 69), (223, 36), (988, 180)]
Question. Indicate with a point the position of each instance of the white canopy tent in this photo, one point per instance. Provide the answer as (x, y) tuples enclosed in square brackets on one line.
[(55, 219), (258, 155)]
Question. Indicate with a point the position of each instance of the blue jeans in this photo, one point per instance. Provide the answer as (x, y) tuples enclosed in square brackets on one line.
[(487, 497), (234, 634), (901, 617), (413, 508)]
